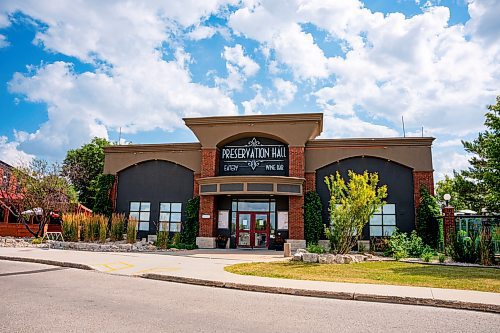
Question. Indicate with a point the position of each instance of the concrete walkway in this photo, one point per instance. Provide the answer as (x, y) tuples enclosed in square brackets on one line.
[(206, 267)]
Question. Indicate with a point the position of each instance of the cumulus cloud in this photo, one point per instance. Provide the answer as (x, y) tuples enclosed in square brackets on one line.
[(202, 32), (239, 67), (11, 154), (133, 87)]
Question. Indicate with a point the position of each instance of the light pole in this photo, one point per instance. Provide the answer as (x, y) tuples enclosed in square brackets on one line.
[(447, 198)]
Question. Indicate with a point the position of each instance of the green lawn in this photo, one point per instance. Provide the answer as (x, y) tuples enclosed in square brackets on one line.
[(384, 272)]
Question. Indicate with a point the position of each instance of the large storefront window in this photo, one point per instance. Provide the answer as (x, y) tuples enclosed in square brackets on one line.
[(170, 216), (141, 212), (383, 222)]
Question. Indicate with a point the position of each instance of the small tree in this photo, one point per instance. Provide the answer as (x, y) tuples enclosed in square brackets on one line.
[(428, 216), (351, 206), (189, 229), (42, 192), (313, 222), (102, 188)]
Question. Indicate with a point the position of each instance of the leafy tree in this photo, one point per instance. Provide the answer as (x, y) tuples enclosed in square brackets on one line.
[(102, 187), (351, 206), (465, 193), (428, 218), (189, 229), (42, 192), (83, 166), (313, 222), (485, 164)]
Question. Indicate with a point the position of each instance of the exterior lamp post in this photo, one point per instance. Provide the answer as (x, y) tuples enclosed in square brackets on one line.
[(447, 198)]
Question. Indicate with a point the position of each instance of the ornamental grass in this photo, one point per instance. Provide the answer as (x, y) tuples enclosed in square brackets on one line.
[(132, 230), (117, 227)]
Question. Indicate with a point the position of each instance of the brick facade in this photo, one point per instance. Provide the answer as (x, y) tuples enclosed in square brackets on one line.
[(310, 182), (448, 223), (209, 165), (196, 188), (296, 168), (420, 178)]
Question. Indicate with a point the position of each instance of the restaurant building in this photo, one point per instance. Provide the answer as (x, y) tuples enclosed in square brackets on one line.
[(252, 172)]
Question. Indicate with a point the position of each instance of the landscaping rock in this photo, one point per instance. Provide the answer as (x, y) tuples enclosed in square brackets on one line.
[(297, 256), (339, 259), (302, 251), (310, 257), (326, 259)]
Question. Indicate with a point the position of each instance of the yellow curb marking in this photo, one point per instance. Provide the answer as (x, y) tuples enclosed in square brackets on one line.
[(158, 269), (116, 266)]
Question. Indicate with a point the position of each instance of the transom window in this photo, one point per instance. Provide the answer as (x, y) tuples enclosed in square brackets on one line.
[(140, 210), (383, 222), (170, 216)]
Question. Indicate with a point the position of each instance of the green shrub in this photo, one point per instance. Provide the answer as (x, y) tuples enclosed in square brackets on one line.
[(427, 254), (117, 227), (428, 213), (463, 248), (102, 186), (313, 248), (189, 229), (176, 240), (415, 245), (441, 258), (397, 246), (132, 231), (485, 248), (313, 220)]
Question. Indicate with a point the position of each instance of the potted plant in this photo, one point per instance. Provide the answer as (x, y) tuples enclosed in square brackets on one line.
[(221, 241)]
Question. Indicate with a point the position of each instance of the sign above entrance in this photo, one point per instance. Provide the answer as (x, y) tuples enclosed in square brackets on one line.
[(254, 156)]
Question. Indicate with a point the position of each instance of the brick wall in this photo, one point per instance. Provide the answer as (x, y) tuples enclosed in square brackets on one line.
[(310, 182), (209, 165), (196, 188), (296, 204), (449, 223), (113, 192), (420, 178)]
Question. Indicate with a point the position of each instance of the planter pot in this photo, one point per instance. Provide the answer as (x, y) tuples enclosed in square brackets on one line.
[(221, 244)]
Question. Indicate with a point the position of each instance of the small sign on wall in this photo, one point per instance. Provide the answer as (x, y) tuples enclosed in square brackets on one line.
[(223, 221), (205, 216), (283, 220)]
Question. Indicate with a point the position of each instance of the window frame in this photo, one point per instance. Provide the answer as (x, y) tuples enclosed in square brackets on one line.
[(139, 212), (383, 225), (166, 224)]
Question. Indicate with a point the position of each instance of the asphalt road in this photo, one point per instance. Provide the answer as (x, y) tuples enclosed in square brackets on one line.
[(52, 299)]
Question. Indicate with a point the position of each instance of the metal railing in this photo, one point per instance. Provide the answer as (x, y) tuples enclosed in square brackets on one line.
[(474, 224)]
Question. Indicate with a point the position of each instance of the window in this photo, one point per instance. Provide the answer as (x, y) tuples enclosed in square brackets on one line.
[(140, 211), (170, 216), (383, 222)]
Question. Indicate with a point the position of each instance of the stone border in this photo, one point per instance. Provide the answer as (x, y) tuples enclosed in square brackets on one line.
[(286, 291)]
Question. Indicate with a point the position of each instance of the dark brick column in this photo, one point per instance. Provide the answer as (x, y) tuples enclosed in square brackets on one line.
[(296, 168), (310, 182), (425, 178), (448, 223), (209, 159)]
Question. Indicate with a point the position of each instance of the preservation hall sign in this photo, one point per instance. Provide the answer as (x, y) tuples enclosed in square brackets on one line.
[(254, 156)]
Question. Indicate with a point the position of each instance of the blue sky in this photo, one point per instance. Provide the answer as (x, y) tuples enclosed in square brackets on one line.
[(74, 70)]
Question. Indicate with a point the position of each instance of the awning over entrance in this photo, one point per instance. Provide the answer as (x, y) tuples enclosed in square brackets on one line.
[(267, 185)]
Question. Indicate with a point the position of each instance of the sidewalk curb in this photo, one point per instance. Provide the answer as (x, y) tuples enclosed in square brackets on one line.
[(330, 294), (49, 262), (286, 291)]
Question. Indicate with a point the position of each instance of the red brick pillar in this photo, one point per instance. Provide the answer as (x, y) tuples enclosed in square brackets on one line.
[(448, 223), (420, 178), (196, 186), (209, 159), (113, 192), (310, 182), (296, 168)]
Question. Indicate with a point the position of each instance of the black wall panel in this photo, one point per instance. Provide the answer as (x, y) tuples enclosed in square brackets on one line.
[(154, 181), (398, 178)]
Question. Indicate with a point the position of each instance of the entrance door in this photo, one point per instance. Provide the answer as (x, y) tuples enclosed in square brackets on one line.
[(253, 230)]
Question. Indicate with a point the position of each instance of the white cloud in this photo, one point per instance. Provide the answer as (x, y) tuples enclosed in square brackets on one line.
[(446, 161), (3, 41), (484, 24), (133, 87), (11, 154), (353, 127), (239, 68), (202, 32), (286, 91)]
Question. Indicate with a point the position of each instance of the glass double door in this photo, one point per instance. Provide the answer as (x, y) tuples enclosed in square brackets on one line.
[(252, 230)]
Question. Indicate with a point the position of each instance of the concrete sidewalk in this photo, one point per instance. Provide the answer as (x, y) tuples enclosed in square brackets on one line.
[(206, 267)]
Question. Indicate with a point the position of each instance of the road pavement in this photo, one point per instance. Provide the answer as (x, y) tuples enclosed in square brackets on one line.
[(46, 298)]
